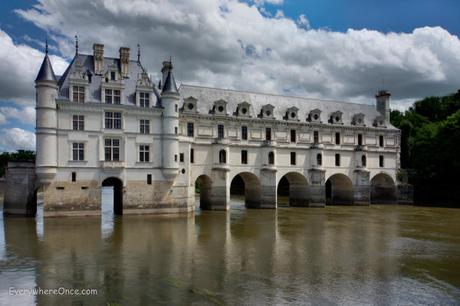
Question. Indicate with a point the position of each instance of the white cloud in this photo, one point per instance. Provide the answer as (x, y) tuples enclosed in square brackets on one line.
[(231, 44), (25, 114), (14, 139), (2, 119), (273, 2)]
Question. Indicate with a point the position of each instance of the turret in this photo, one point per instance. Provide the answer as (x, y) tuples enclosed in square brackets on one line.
[(383, 104), (170, 102), (46, 123)]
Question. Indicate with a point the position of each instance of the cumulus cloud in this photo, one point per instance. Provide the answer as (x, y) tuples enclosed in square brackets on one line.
[(16, 139), (25, 114), (231, 44)]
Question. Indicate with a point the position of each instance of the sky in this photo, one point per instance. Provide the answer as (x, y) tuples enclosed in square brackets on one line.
[(330, 49)]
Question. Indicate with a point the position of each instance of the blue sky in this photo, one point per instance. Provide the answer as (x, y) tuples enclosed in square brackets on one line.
[(210, 47)]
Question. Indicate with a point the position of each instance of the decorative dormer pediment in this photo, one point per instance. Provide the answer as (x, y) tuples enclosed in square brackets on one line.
[(143, 81), (315, 115), (336, 118), (358, 119), (243, 109), (219, 108), (190, 105), (379, 121), (292, 114), (267, 112)]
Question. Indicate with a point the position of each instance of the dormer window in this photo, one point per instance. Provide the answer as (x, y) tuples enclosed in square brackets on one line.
[(358, 119), (336, 118), (267, 112), (113, 75), (78, 94), (379, 121), (314, 116), (190, 105), (243, 109), (112, 96), (78, 85), (144, 99), (291, 113), (144, 91), (220, 108)]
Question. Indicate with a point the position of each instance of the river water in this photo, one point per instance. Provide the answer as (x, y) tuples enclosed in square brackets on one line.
[(381, 254)]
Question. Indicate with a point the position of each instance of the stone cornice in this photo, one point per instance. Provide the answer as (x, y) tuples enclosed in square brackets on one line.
[(100, 107)]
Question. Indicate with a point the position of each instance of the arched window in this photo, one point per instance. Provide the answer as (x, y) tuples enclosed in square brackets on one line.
[(222, 157), (363, 160), (271, 158), (319, 159)]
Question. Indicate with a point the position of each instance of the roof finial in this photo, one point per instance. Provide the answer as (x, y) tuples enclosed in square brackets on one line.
[(138, 53), (76, 44), (46, 46)]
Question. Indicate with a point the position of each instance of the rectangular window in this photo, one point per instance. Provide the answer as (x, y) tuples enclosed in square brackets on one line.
[(149, 179), (293, 136), (112, 149), (78, 151), (74, 176), (181, 157), (78, 94), (144, 99), (112, 120), (244, 132), (144, 126), (175, 130), (360, 139), (175, 157), (268, 134), (220, 131), (190, 129), (78, 122), (293, 158), (192, 155), (316, 137), (144, 153), (244, 157), (112, 75), (112, 96), (337, 160), (381, 161), (337, 138), (381, 144)]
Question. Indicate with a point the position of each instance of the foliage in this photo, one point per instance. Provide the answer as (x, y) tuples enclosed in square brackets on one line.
[(20, 155)]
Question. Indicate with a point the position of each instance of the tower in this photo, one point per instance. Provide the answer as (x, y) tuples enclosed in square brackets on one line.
[(170, 138), (383, 104), (46, 123)]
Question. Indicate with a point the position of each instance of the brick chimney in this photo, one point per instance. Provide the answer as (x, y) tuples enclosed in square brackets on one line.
[(98, 54), (124, 61)]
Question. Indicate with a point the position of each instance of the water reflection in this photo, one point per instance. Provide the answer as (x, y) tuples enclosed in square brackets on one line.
[(336, 255)]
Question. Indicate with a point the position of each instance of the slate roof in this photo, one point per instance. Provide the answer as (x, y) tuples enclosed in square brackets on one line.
[(207, 96), (46, 72)]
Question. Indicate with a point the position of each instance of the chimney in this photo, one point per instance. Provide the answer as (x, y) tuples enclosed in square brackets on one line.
[(383, 104), (98, 54), (124, 61), (167, 66)]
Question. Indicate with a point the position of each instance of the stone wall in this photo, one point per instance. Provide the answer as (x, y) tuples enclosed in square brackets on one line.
[(20, 195)]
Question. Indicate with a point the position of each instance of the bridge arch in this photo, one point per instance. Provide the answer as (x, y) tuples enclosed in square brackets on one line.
[(339, 190), (203, 186), (294, 186), (247, 184), (383, 189), (117, 186)]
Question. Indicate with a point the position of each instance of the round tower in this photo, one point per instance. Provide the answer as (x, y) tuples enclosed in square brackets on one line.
[(46, 122), (170, 102)]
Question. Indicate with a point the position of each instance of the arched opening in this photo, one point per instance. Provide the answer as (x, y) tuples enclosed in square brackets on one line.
[(203, 186), (293, 189), (113, 187), (246, 185), (271, 158), (383, 189), (339, 190)]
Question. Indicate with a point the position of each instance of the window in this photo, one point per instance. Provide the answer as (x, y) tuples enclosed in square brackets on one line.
[(74, 176), (293, 158), (268, 134), (149, 179), (316, 137), (220, 131), (112, 149), (381, 161), (112, 75), (144, 126), (381, 144), (244, 157), (190, 129), (144, 153), (244, 133), (271, 158), (192, 155), (144, 99), (222, 157), (112, 120), (337, 160), (112, 96), (360, 139), (78, 122), (175, 130), (175, 157), (181, 157), (78, 94), (175, 107), (363, 160), (293, 136), (319, 159), (78, 151), (337, 138)]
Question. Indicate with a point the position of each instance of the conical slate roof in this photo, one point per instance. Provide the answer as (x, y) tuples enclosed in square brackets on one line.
[(46, 72), (170, 84)]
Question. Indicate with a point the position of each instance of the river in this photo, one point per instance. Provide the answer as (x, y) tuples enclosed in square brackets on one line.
[(381, 254)]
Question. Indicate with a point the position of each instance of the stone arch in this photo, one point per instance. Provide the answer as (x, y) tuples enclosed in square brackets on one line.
[(203, 186), (117, 185), (339, 190), (295, 186), (247, 183), (383, 189)]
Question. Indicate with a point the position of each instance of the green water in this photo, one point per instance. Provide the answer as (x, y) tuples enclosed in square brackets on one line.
[(337, 255)]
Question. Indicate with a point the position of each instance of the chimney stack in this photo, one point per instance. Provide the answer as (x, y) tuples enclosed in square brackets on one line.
[(98, 54), (383, 104), (124, 61)]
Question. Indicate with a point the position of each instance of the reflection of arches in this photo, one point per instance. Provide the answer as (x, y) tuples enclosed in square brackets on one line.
[(248, 184), (339, 190), (295, 186), (203, 186), (222, 157), (117, 185), (383, 189)]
